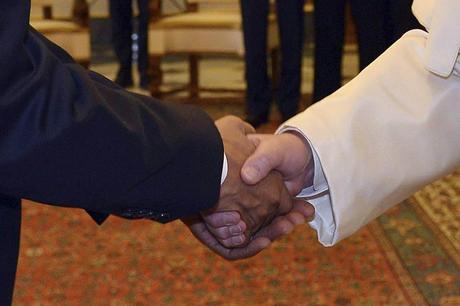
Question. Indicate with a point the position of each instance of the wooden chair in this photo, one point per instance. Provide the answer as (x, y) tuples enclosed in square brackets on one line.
[(69, 30), (206, 27)]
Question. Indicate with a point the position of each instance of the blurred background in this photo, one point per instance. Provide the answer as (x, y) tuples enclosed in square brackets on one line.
[(240, 58)]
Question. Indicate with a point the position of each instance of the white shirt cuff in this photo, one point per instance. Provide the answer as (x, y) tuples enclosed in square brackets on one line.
[(224, 170), (317, 195)]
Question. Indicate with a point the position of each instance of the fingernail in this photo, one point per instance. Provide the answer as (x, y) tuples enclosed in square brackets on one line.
[(238, 240), (250, 172), (235, 230)]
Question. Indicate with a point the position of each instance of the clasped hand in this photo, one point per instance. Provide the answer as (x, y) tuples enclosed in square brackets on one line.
[(256, 204)]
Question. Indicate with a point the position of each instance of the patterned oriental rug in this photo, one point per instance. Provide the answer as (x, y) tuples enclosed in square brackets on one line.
[(409, 256)]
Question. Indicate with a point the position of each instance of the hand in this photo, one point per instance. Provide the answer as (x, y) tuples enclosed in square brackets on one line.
[(257, 204), (279, 227), (287, 153)]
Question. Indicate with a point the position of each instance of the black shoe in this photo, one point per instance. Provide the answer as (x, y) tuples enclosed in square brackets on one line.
[(256, 121), (145, 82), (124, 79)]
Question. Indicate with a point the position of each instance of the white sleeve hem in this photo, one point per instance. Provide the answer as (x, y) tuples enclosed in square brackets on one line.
[(224, 170), (317, 195)]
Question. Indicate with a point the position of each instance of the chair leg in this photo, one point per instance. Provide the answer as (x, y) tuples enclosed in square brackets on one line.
[(194, 76), (156, 75)]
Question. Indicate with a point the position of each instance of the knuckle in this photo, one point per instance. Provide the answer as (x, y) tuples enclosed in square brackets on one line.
[(222, 233), (232, 217), (265, 161), (213, 220)]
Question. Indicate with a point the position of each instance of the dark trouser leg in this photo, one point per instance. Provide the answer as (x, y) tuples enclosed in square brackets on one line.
[(329, 30), (122, 29), (143, 27), (290, 21), (258, 93), (369, 17), (399, 19), (10, 226)]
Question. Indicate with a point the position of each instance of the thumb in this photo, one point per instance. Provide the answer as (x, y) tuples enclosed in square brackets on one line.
[(265, 158), (247, 128)]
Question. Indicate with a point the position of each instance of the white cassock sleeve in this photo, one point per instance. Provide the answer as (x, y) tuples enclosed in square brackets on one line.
[(391, 130)]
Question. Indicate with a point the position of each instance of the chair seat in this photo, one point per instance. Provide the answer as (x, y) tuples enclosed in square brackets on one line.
[(207, 19), (200, 20), (68, 35), (202, 32), (48, 26), (197, 34)]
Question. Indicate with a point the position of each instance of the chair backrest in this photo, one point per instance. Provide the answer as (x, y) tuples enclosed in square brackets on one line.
[(161, 8), (76, 10), (41, 9), (62, 9), (164, 8)]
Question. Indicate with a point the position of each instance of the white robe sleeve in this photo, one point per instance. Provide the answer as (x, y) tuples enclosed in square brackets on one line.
[(392, 129)]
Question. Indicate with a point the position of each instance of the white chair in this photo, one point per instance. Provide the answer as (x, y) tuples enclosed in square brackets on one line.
[(206, 27), (68, 29)]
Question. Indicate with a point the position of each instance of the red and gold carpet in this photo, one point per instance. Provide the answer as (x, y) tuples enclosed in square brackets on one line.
[(409, 256)]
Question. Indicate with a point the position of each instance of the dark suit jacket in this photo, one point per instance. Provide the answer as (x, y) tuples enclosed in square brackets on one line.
[(70, 137)]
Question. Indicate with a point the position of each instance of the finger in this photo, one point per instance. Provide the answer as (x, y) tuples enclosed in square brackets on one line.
[(247, 128), (281, 226), (266, 157), (295, 218), (227, 232), (222, 218), (234, 241), (253, 248), (200, 231), (256, 139), (286, 202), (300, 213), (304, 208), (294, 186), (284, 225)]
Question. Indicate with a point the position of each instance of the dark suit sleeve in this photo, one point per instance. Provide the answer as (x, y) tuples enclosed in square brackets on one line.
[(73, 138)]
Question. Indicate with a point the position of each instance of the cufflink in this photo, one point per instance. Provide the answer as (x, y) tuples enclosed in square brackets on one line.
[(142, 213)]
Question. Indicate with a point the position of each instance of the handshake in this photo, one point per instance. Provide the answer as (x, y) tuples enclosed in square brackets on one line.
[(256, 204)]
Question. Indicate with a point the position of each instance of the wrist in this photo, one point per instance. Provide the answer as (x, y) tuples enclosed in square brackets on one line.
[(301, 150)]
